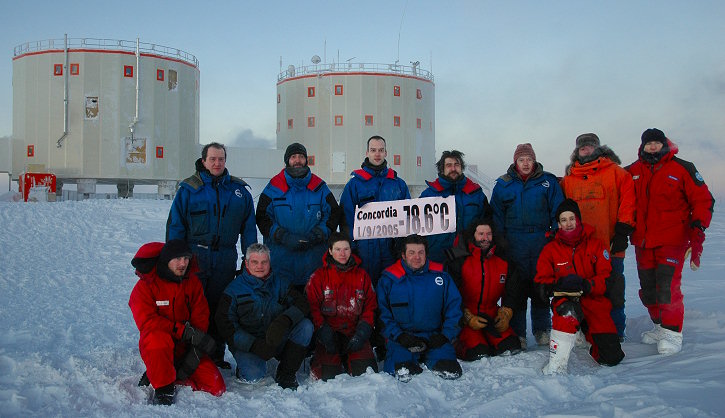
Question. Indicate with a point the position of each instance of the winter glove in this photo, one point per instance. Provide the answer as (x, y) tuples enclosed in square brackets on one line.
[(198, 339), (503, 317), (188, 364), (326, 337), (360, 337), (291, 240), (569, 285), (437, 341), (619, 242), (316, 236), (543, 292), (697, 239), (412, 343), (615, 290), (261, 349), (474, 322), (277, 330)]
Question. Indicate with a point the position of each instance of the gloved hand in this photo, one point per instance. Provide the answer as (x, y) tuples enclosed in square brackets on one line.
[(326, 337), (358, 339), (316, 236), (437, 341), (571, 283), (475, 322), (412, 343), (503, 317), (198, 339), (615, 289), (619, 242), (697, 239), (277, 330), (261, 349), (291, 240), (188, 364)]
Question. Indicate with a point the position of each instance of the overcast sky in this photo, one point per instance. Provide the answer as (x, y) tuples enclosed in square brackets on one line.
[(505, 72)]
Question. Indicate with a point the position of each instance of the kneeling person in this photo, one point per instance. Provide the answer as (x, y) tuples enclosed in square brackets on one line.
[(483, 278), (420, 308), (261, 316), (342, 306), (172, 315)]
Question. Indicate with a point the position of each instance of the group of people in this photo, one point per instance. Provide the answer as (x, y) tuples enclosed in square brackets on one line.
[(414, 300)]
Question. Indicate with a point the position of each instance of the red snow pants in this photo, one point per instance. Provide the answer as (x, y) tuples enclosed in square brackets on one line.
[(660, 277)]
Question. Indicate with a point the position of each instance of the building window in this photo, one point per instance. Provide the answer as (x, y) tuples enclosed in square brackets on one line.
[(311, 160), (418, 123), (279, 98), (310, 121), (159, 75), (277, 127), (396, 90), (91, 107), (57, 69), (419, 161), (290, 123), (74, 69), (173, 81), (396, 120), (310, 92), (338, 120), (338, 89), (128, 70), (396, 159), (368, 120), (159, 152), (418, 94), (31, 150)]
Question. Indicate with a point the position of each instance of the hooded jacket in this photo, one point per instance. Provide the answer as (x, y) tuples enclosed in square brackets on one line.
[(341, 298), (671, 195), (604, 192)]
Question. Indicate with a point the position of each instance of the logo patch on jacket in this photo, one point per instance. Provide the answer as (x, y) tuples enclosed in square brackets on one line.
[(238, 193), (162, 303), (439, 281), (606, 254), (319, 215), (673, 177), (502, 279), (672, 261), (545, 184), (635, 177), (698, 176)]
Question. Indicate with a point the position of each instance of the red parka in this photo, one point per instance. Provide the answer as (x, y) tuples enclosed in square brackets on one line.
[(671, 195), (480, 292), (341, 298)]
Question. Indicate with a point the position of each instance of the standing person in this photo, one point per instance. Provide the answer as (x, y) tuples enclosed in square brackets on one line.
[(296, 213), (420, 308), (373, 182), (261, 316), (524, 202), (471, 202), (574, 267), (342, 306), (604, 192), (674, 206), (211, 211), (172, 315), (484, 278)]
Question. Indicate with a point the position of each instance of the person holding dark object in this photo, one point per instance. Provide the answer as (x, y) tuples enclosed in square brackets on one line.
[(573, 268), (484, 278), (172, 316), (342, 306)]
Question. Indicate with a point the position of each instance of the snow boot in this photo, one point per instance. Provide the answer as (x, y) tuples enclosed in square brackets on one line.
[(560, 347), (290, 361), (406, 370), (144, 381), (653, 335), (448, 369), (670, 342), (164, 395), (542, 337)]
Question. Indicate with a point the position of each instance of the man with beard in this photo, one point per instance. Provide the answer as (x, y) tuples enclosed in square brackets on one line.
[(210, 212), (296, 213), (471, 202), (604, 192)]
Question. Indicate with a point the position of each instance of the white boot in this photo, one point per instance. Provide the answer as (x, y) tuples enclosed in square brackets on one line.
[(653, 335), (560, 347), (670, 342)]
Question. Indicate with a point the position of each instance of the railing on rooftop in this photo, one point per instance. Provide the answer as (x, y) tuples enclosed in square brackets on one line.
[(105, 44), (354, 67)]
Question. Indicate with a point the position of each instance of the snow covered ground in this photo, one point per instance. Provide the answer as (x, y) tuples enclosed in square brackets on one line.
[(68, 344)]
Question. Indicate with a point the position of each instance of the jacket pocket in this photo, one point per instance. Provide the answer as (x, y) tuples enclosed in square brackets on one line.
[(401, 311), (329, 304), (199, 222)]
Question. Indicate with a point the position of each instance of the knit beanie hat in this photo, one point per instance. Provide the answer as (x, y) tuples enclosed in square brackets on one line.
[(587, 139), (570, 206), (523, 150), (292, 149), (653, 134), (173, 249)]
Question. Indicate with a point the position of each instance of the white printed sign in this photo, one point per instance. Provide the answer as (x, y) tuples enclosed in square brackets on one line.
[(400, 218)]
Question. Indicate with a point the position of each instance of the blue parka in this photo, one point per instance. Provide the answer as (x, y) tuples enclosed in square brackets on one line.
[(422, 303), (302, 206), (523, 212), (366, 185), (210, 215), (471, 203), (250, 304)]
